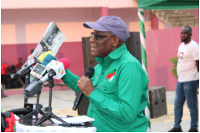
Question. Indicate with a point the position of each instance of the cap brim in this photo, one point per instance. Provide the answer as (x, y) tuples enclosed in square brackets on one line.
[(95, 26)]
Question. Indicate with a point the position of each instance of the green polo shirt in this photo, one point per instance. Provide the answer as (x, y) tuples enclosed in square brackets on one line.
[(120, 94)]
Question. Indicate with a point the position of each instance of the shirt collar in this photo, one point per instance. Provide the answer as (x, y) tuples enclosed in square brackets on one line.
[(113, 55), (118, 52)]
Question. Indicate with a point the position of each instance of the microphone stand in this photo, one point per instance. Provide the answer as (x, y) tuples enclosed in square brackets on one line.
[(49, 114), (27, 82), (36, 111)]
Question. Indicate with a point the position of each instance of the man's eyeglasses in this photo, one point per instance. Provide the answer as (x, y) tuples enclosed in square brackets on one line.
[(99, 37)]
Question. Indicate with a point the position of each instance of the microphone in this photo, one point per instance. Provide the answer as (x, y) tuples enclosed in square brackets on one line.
[(89, 72), (65, 62), (43, 55), (30, 62), (38, 72), (28, 107), (40, 69), (37, 52), (19, 111), (26, 69), (55, 70)]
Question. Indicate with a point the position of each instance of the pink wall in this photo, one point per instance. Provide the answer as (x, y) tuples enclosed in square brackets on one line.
[(27, 4), (27, 26), (71, 50), (22, 29), (162, 45)]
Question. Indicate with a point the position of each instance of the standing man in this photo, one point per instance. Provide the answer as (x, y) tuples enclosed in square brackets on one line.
[(117, 91), (188, 80), (4, 74)]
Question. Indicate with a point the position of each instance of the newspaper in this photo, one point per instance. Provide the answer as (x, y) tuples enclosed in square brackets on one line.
[(52, 38), (51, 41)]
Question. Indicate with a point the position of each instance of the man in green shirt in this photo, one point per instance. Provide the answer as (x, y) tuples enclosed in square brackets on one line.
[(117, 91)]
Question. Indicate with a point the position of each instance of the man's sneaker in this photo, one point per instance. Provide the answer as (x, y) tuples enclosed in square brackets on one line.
[(193, 130), (175, 130)]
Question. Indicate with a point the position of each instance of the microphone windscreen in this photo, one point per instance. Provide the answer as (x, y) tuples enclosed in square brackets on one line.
[(65, 62), (89, 72), (48, 59), (43, 55)]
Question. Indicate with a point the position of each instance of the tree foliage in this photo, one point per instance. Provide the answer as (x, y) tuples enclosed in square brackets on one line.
[(174, 60)]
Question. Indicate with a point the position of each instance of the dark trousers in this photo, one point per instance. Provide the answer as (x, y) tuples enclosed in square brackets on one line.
[(4, 78)]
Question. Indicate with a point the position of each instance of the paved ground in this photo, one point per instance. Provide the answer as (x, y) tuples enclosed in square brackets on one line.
[(62, 102)]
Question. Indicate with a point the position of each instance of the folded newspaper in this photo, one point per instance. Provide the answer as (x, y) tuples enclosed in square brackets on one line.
[(51, 41)]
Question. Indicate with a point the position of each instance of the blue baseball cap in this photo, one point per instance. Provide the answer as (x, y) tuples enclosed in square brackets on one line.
[(113, 24)]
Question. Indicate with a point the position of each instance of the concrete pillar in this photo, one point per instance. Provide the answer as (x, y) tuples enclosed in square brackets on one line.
[(104, 11), (104, 8), (154, 22)]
